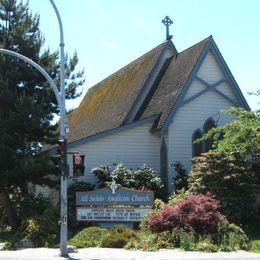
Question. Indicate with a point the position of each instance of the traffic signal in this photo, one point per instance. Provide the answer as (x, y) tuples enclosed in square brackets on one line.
[(78, 164), (60, 159)]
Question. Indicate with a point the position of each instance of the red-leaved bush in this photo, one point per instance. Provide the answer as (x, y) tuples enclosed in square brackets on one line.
[(197, 212)]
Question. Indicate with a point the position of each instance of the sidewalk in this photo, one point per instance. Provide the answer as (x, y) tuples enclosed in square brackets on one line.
[(121, 254)]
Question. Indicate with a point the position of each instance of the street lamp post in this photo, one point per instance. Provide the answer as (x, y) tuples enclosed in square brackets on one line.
[(63, 126)]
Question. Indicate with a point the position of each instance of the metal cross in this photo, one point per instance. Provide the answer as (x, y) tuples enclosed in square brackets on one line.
[(113, 186), (167, 22)]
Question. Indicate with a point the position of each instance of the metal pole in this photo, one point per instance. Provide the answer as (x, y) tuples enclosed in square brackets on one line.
[(63, 181)]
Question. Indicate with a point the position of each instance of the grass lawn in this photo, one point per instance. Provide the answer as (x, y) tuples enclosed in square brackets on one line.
[(253, 232)]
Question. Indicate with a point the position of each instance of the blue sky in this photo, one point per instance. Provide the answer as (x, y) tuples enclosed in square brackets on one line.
[(108, 34)]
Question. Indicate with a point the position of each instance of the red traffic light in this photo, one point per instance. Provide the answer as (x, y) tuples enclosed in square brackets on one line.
[(78, 165)]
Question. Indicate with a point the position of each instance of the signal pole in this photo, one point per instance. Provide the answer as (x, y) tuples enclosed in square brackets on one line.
[(63, 130)]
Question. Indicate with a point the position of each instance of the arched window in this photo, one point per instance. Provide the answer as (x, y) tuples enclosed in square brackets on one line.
[(164, 163), (210, 123), (196, 146)]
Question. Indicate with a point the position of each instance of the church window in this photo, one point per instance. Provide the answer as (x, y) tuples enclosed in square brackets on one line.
[(209, 124), (197, 146)]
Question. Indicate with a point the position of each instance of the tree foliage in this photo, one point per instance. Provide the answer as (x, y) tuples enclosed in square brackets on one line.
[(232, 181), (180, 181), (27, 102), (241, 137)]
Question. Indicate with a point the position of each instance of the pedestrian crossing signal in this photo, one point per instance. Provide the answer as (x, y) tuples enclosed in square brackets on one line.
[(78, 165)]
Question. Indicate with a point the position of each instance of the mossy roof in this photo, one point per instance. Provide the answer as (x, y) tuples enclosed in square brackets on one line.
[(106, 105)]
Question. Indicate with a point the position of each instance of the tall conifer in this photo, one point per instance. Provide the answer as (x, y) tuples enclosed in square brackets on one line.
[(27, 102)]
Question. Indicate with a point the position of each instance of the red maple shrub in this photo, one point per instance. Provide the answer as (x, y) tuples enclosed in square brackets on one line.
[(197, 212)]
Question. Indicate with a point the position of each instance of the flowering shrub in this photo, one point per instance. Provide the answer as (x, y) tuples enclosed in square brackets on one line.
[(197, 212), (140, 178)]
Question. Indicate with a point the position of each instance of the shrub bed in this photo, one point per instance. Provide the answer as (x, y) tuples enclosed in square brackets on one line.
[(116, 237), (189, 222), (198, 212)]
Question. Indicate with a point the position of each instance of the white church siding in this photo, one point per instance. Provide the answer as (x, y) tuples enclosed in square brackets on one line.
[(133, 147), (192, 115), (227, 90), (196, 87), (209, 70)]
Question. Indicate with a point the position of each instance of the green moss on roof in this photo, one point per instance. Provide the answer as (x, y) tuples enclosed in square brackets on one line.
[(106, 105)]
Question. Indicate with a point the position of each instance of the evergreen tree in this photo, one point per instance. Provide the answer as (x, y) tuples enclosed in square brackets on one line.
[(27, 102)]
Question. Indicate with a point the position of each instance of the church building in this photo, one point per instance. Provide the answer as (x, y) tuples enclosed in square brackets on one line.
[(150, 111)]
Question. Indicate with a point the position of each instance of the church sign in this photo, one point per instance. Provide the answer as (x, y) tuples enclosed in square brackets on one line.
[(112, 214), (121, 196), (113, 204)]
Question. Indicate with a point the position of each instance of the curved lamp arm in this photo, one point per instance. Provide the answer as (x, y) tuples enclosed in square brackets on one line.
[(39, 68)]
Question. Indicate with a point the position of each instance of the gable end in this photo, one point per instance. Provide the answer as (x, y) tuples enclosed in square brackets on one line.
[(227, 77)]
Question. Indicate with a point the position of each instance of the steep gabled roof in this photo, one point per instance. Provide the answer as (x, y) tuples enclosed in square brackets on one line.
[(166, 93), (106, 105)]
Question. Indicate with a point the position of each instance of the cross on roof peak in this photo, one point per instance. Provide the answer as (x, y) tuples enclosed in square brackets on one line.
[(167, 22)]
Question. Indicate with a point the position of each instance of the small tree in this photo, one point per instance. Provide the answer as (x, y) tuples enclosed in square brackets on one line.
[(231, 180), (181, 178)]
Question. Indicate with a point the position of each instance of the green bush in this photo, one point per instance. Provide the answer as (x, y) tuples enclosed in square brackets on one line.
[(232, 238), (164, 240), (42, 229), (180, 181), (157, 206), (206, 245), (154, 241), (187, 239), (118, 237), (114, 241), (143, 177), (231, 180), (177, 197), (88, 237)]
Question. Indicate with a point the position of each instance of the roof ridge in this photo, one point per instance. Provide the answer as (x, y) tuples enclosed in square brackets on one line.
[(194, 45)]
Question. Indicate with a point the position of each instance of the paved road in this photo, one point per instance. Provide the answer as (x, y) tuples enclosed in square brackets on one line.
[(121, 254)]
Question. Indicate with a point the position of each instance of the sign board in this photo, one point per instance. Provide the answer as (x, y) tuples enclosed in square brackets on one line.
[(115, 195), (115, 214)]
